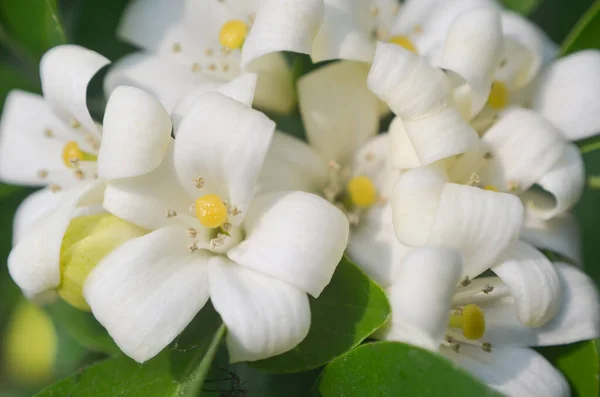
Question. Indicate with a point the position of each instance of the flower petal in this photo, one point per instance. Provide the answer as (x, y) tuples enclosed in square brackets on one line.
[(338, 110), (373, 246), (65, 72), (343, 35), (275, 90), (525, 147), (166, 80), (420, 297), (560, 234), (565, 182), (516, 372), (264, 316), (420, 95), (578, 318), (291, 164), (283, 25), (478, 223), (136, 133), (533, 283), (295, 237), (414, 13), (568, 94), (148, 290), (225, 143), (405, 155), (472, 51), (34, 262), (373, 160)]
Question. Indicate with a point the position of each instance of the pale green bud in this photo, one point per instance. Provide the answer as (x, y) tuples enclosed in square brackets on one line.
[(87, 241)]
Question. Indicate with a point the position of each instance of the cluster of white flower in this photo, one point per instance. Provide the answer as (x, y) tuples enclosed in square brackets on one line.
[(187, 193)]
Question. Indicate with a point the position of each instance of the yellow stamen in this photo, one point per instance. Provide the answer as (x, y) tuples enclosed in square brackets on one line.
[(404, 41), (362, 191), (491, 188), (72, 154), (498, 98), (233, 34), (211, 211), (471, 320)]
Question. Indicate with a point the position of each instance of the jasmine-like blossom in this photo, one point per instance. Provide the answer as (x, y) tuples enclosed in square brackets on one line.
[(204, 43), (488, 324), (211, 237)]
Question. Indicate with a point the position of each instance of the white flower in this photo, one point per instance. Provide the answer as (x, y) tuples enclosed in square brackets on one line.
[(51, 140), (196, 43), (255, 257), (487, 324)]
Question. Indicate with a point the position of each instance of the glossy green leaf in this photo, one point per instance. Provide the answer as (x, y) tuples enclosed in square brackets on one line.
[(350, 309), (391, 369), (524, 7), (586, 33), (178, 371), (579, 364), (11, 77)]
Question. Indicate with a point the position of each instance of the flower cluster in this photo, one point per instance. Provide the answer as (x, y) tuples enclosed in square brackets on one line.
[(187, 192)]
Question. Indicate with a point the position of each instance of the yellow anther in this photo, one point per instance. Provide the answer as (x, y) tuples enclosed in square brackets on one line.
[(471, 320), (72, 154), (498, 98), (211, 211), (233, 34), (491, 188), (404, 41), (362, 192)]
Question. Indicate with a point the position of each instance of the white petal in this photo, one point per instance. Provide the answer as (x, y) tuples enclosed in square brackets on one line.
[(34, 262), (283, 25), (533, 283), (420, 297), (525, 147), (295, 237), (405, 155), (225, 143), (420, 95), (473, 221), (145, 200), (565, 182), (65, 72), (560, 234), (515, 372), (342, 35), (136, 133), (148, 290), (578, 318), (25, 150), (568, 94), (275, 90), (338, 110), (166, 80), (145, 22), (291, 164), (373, 246), (374, 160), (414, 13), (472, 51), (264, 316)]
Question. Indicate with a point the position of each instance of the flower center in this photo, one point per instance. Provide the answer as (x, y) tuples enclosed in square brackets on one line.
[(491, 188), (211, 211), (405, 42), (471, 319), (233, 34), (498, 98), (362, 191), (72, 154)]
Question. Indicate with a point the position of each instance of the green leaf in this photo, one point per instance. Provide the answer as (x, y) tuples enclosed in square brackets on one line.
[(523, 7), (586, 32), (82, 327), (579, 364), (178, 371), (350, 309), (383, 369), (12, 78)]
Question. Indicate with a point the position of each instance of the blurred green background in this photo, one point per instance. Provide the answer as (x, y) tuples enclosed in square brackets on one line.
[(27, 30)]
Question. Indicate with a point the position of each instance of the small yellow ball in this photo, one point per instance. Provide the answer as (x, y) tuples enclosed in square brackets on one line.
[(362, 191), (71, 154), (233, 34), (405, 42), (498, 98), (473, 322), (211, 211), (491, 188)]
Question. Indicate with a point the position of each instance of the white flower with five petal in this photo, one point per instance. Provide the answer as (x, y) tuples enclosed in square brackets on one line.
[(203, 43), (488, 324), (254, 256)]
